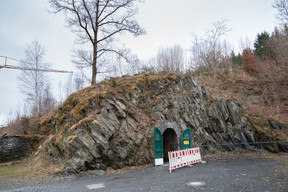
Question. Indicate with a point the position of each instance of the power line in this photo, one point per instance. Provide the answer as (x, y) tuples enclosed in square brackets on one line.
[(27, 68)]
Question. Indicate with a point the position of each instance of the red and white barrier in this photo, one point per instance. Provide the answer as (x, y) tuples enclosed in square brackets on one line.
[(183, 158)]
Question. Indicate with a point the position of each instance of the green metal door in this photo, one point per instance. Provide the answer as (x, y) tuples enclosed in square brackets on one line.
[(186, 139), (158, 144)]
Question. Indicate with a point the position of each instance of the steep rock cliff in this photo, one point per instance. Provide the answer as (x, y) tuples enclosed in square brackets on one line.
[(111, 123)]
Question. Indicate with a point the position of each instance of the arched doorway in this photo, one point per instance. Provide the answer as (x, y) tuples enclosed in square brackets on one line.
[(170, 142)]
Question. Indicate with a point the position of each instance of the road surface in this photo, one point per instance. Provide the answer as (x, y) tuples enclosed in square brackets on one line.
[(268, 175)]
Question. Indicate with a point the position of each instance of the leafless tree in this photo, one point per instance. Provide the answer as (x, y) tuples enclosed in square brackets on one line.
[(245, 44), (79, 82), (216, 47), (282, 8), (49, 102), (69, 88), (134, 64), (274, 88), (208, 51), (32, 80), (198, 54), (278, 45), (275, 69), (149, 66), (170, 59), (211, 52), (97, 23), (74, 83)]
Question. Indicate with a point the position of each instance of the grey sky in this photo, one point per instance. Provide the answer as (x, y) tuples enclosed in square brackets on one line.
[(167, 22)]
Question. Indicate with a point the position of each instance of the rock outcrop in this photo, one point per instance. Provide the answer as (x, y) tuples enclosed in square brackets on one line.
[(111, 123), (17, 147)]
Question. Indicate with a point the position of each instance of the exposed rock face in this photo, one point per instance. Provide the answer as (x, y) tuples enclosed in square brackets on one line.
[(276, 125), (16, 147), (111, 124)]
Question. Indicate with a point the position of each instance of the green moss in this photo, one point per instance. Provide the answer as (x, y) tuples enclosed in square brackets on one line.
[(114, 84), (151, 81)]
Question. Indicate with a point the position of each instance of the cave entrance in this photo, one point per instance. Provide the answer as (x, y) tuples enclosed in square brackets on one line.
[(170, 142)]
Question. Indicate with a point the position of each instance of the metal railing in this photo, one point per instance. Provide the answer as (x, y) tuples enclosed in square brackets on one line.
[(243, 150)]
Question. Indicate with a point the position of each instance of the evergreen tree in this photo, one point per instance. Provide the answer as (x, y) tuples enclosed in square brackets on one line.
[(236, 59), (260, 45)]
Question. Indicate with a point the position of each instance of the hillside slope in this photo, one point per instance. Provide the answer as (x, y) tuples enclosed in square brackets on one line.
[(111, 124), (249, 90)]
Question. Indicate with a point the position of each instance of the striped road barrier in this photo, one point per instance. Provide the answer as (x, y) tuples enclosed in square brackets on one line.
[(183, 158)]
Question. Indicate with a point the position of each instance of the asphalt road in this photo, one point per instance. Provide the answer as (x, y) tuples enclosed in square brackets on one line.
[(265, 175)]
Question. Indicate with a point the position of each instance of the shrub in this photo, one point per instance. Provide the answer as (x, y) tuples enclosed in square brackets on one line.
[(249, 61)]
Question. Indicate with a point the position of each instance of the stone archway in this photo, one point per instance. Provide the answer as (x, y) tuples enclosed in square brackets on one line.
[(163, 125), (170, 142), (167, 137)]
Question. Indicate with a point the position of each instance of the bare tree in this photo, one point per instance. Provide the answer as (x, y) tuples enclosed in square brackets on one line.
[(69, 88), (245, 44), (48, 101), (74, 82), (97, 23), (134, 65), (275, 70), (32, 80), (278, 45), (149, 66), (282, 8), (273, 77), (170, 59), (215, 43), (211, 52), (198, 54), (79, 82), (208, 51)]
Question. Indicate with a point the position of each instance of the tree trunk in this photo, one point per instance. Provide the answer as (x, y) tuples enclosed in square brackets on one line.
[(94, 65)]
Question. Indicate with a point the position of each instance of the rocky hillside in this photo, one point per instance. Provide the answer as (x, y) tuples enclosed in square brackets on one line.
[(250, 91), (111, 123)]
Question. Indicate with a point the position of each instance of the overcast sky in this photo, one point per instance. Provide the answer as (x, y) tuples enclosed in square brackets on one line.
[(167, 22)]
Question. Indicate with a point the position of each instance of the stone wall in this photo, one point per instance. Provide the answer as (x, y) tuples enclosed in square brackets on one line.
[(16, 147)]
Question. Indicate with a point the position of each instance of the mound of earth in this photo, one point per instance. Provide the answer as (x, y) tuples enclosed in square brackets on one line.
[(111, 124)]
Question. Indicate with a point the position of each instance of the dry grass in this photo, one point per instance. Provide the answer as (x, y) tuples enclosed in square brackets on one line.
[(25, 172), (247, 90)]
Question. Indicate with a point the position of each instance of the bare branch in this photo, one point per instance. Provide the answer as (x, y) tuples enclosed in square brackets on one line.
[(282, 8), (98, 22), (32, 81)]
